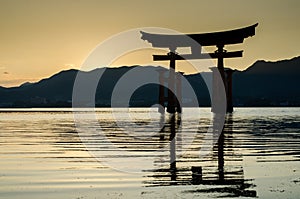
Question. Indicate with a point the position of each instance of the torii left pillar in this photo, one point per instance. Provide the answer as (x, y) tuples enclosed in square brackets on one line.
[(171, 108), (174, 95)]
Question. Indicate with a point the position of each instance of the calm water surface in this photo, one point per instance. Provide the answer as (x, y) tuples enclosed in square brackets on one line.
[(44, 154)]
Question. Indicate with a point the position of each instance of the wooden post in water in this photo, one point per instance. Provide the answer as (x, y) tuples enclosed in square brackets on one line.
[(196, 175)]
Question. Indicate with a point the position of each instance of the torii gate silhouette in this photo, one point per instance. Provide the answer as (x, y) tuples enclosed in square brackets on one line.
[(218, 39)]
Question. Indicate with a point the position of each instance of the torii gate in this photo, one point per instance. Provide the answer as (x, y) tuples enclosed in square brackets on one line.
[(218, 39)]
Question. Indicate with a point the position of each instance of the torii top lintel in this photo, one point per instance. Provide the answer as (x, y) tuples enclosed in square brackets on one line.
[(172, 41)]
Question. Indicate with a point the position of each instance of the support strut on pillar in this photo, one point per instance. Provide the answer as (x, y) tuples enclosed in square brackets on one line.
[(217, 91), (161, 95), (229, 73), (179, 92)]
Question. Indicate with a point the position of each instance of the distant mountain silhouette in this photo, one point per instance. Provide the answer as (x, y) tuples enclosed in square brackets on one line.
[(283, 67), (262, 84), (26, 84), (268, 83)]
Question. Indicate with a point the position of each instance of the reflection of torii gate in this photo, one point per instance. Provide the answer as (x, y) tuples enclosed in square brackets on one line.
[(218, 39), (229, 175)]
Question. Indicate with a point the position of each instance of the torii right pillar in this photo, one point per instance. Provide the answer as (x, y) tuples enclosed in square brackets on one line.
[(228, 73), (218, 79)]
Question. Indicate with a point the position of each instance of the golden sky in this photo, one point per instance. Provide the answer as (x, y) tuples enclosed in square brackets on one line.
[(41, 37)]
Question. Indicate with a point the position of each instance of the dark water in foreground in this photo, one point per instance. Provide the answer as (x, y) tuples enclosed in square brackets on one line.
[(45, 154)]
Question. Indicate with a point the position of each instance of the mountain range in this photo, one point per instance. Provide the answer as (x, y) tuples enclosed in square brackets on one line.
[(262, 84)]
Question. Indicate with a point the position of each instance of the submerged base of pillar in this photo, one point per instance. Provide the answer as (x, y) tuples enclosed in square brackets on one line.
[(171, 109), (178, 109), (229, 110), (218, 110)]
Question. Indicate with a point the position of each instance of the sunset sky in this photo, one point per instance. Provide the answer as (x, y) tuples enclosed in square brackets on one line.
[(39, 38)]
